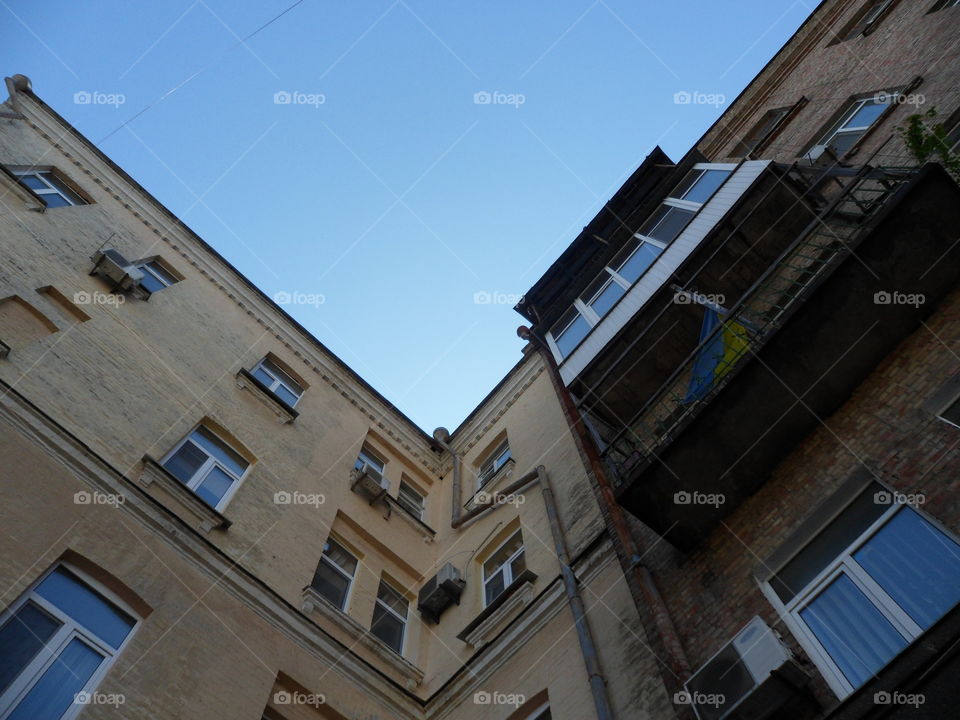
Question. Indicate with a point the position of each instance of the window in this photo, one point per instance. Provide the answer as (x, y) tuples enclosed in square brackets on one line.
[(943, 4), (335, 573), (208, 466), (855, 121), (410, 499), (866, 20), (52, 189), (951, 413), (503, 567), (56, 642), (367, 459), (663, 226), (495, 460), (866, 586), (769, 125), (278, 382), (390, 617), (155, 276)]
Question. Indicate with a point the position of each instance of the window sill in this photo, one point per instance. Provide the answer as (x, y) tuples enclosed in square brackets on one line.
[(315, 604), (208, 517), (285, 414), (416, 523), (507, 606), (505, 471)]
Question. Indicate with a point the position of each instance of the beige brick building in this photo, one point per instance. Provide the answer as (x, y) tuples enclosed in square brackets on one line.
[(209, 515)]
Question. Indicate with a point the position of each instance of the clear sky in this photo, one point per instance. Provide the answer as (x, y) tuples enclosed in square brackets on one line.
[(431, 160)]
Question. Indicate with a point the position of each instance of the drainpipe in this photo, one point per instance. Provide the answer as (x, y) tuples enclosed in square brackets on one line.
[(677, 664), (598, 684)]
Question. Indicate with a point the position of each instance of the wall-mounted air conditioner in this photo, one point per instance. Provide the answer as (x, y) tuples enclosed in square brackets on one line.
[(440, 592), (750, 678), (367, 481), (117, 270)]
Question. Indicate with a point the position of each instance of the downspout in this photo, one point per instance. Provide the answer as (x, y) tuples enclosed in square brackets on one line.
[(676, 660), (598, 684)]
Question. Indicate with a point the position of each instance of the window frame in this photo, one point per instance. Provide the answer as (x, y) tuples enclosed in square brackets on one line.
[(768, 126), (350, 577), (844, 563), (204, 470), (849, 109), (371, 458), (943, 5), (488, 469), (506, 567), (402, 620), (276, 371), (144, 267), (405, 485), (63, 635), (58, 186)]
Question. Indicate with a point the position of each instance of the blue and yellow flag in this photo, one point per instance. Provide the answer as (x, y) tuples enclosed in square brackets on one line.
[(718, 356)]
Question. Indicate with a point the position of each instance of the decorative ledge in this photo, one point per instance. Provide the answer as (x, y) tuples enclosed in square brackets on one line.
[(285, 414), (154, 472), (315, 604), (517, 596), (416, 523)]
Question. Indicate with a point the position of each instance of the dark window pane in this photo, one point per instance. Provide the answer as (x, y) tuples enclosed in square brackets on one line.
[(185, 462), (100, 617), (214, 486), (638, 263), (667, 222), (607, 298), (843, 141), (21, 639), (218, 449), (393, 599), (706, 185), (387, 627), (53, 200), (33, 182), (54, 693), (285, 395), (263, 377), (331, 584), (493, 587), (572, 336), (151, 283), (952, 413)]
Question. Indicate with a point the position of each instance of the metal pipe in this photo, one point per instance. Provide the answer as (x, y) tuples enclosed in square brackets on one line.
[(598, 684)]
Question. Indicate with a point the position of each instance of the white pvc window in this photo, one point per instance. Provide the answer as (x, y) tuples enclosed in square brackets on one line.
[(207, 466), (155, 276), (503, 567), (277, 381), (52, 189), (660, 229), (57, 643), (410, 499), (866, 586), (390, 617), (335, 572), (855, 122), (367, 458), (495, 460)]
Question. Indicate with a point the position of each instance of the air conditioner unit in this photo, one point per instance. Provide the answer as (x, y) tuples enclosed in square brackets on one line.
[(116, 269), (440, 592), (750, 678), (369, 482)]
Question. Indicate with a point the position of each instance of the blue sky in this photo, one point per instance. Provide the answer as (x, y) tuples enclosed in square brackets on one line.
[(432, 161)]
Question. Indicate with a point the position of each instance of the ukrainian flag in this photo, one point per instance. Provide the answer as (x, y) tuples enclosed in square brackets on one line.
[(718, 356)]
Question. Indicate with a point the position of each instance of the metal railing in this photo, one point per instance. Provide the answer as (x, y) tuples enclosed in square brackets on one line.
[(858, 196)]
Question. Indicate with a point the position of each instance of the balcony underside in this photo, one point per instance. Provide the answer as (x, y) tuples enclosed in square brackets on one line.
[(805, 369)]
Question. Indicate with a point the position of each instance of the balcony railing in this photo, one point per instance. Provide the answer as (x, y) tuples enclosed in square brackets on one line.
[(764, 307)]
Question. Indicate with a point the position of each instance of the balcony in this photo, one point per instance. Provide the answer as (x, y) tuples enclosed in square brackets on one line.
[(837, 299)]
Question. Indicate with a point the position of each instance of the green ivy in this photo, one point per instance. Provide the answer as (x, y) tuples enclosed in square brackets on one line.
[(926, 140)]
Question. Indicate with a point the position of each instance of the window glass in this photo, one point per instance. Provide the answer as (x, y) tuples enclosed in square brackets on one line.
[(607, 297), (151, 283), (639, 261), (219, 450), (334, 574), (666, 223), (85, 606), (21, 638), (571, 336), (340, 556), (54, 692), (186, 461), (410, 499), (706, 185), (367, 458), (214, 486), (866, 114)]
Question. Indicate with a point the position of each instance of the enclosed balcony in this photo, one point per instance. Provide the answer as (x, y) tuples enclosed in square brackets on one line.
[(694, 416)]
